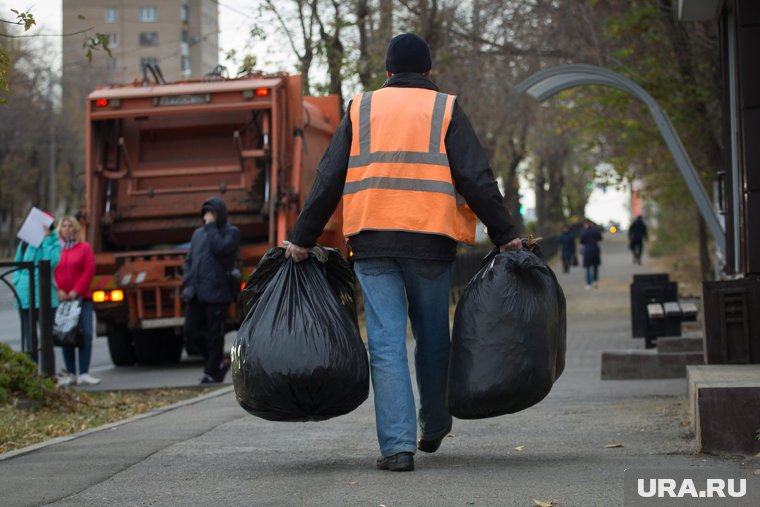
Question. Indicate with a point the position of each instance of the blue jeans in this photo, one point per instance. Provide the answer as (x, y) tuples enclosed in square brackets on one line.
[(592, 274), (393, 287), (85, 351)]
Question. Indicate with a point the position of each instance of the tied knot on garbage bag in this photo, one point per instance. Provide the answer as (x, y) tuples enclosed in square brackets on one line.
[(298, 355), (509, 335)]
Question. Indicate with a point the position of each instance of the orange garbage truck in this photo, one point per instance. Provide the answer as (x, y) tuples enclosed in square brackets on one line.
[(154, 152)]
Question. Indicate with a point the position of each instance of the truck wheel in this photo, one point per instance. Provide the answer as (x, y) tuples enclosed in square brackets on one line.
[(120, 345), (171, 348), (148, 346)]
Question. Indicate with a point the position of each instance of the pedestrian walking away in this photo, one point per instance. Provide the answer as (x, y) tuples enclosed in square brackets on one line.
[(592, 253), (207, 290), (411, 172), (637, 233), (73, 276), (567, 242), (50, 250)]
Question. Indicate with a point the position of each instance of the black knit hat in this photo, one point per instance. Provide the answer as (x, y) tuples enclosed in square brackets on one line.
[(408, 52)]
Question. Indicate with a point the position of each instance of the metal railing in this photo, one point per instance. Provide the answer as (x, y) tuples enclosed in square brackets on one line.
[(41, 349)]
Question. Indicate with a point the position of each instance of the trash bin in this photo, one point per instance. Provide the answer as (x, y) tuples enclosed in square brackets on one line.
[(732, 323)]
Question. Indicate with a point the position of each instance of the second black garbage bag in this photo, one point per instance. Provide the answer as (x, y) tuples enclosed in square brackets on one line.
[(508, 339), (298, 355)]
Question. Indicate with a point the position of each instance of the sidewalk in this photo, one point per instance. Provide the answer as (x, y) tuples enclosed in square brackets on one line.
[(210, 452)]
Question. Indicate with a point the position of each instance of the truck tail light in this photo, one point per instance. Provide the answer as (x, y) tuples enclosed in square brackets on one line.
[(262, 92), (101, 103), (101, 296)]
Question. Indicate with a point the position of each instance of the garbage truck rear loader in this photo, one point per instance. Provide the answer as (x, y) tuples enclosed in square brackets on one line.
[(154, 153)]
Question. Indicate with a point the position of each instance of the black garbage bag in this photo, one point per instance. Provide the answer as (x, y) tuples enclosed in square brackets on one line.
[(298, 355), (509, 337)]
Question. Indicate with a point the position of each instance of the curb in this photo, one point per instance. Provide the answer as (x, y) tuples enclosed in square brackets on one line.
[(158, 411)]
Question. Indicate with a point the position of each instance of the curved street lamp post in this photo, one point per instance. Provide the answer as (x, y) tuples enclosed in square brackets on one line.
[(549, 82)]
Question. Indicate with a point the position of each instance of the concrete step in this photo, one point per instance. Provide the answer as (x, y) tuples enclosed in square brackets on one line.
[(680, 344), (647, 364), (724, 407)]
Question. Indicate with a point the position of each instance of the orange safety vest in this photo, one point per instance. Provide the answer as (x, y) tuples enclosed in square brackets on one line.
[(399, 177)]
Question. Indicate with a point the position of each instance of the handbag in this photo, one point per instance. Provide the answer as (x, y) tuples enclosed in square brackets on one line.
[(66, 329)]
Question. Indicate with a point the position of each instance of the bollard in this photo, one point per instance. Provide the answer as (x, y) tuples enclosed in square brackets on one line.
[(47, 355), (33, 341)]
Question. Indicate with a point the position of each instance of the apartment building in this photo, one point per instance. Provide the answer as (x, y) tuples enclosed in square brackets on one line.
[(181, 36)]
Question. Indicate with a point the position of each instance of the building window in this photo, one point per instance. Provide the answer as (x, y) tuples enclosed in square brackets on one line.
[(148, 61), (112, 15), (186, 65), (113, 40), (149, 39), (184, 13), (148, 14), (111, 64)]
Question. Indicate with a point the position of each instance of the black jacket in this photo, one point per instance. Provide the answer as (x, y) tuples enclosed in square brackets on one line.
[(590, 239), (472, 176), (638, 231), (212, 254)]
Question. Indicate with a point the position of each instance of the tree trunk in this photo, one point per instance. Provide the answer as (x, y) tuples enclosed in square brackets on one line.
[(362, 22)]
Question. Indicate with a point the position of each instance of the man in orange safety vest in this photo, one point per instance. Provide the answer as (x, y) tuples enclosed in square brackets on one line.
[(411, 172)]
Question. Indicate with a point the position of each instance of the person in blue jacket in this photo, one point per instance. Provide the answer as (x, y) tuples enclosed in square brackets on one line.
[(206, 288), (50, 250)]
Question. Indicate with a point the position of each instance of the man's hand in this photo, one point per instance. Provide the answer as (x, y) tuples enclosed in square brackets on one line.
[(209, 217), (295, 252), (73, 295), (62, 296), (515, 244)]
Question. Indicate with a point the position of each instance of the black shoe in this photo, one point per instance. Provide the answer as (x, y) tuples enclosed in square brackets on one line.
[(432, 444), (401, 462), (208, 379), (223, 369)]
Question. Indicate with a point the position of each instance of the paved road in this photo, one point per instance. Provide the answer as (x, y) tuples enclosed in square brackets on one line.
[(210, 452)]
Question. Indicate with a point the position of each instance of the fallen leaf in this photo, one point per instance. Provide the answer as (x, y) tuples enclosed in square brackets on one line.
[(520, 448), (545, 503), (613, 446)]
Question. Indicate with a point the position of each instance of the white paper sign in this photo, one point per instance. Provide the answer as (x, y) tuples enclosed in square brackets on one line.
[(34, 228)]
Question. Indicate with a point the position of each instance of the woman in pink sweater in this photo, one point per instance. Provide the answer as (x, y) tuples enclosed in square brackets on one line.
[(72, 277)]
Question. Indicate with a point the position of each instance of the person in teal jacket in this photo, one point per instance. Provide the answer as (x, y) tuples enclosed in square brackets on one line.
[(49, 249)]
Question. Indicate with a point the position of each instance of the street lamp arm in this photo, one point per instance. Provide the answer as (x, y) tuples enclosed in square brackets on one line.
[(546, 83)]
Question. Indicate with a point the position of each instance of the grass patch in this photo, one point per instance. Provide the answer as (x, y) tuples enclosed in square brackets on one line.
[(27, 422), (33, 409)]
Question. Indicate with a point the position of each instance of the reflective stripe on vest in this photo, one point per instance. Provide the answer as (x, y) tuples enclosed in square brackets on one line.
[(399, 177)]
